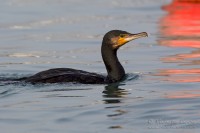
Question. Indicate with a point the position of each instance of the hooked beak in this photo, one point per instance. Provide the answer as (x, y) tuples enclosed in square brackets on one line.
[(136, 36), (129, 37)]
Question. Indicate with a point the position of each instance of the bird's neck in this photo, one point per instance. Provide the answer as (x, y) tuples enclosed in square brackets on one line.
[(114, 68)]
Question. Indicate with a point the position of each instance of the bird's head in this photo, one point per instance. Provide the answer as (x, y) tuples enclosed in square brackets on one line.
[(117, 38)]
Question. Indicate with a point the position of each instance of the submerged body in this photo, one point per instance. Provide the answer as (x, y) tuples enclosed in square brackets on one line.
[(112, 41)]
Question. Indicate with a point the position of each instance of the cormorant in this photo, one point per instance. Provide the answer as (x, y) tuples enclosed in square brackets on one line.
[(112, 41)]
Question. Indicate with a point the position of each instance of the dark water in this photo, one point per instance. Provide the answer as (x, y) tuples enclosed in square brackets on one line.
[(37, 35)]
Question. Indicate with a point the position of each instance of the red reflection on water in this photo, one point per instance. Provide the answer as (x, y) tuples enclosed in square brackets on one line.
[(181, 43), (180, 27), (182, 23), (184, 58)]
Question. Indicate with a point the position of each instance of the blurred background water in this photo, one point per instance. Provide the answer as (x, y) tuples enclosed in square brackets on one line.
[(37, 35)]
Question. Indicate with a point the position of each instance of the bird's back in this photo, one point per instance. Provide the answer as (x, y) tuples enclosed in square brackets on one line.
[(62, 75)]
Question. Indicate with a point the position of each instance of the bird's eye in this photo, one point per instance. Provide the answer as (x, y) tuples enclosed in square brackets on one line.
[(122, 35)]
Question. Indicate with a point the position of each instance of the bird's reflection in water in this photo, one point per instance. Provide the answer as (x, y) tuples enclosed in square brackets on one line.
[(113, 96)]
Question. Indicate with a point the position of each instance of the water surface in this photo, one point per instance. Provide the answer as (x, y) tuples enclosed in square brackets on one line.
[(38, 35)]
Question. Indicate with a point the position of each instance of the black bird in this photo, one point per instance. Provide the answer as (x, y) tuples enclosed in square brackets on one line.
[(112, 41)]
